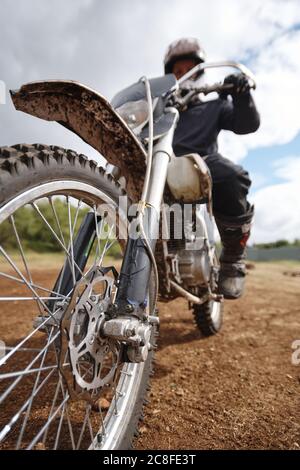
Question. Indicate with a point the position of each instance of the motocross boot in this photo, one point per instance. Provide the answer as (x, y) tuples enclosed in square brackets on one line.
[(234, 234)]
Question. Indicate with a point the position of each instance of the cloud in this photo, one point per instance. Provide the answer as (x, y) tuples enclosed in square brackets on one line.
[(107, 46), (288, 168), (277, 214), (278, 94), (110, 44), (232, 146), (258, 180), (277, 70)]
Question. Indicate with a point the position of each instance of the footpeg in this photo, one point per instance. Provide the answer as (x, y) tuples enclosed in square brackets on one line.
[(217, 297)]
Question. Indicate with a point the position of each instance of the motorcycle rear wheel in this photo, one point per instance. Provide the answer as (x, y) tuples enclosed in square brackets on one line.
[(209, 317)]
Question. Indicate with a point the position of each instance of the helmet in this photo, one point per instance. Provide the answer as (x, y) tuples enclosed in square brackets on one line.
[(185, 48)]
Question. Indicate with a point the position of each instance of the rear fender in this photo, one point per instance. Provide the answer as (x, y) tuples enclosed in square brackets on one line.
[(90, 116)]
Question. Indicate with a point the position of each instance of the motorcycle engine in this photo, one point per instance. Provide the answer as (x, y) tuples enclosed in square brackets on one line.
[(193, 265), (194, 268), (188, 251)]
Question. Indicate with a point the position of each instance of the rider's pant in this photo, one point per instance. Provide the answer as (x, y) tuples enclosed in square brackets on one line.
[(231, 185)]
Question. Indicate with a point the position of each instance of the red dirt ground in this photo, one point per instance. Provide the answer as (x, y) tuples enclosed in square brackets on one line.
[(237, 390)]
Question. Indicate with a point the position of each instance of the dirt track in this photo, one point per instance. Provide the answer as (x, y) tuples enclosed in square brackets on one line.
[(237, 390)]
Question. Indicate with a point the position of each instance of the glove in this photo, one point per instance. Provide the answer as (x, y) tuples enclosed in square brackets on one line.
[(241, 86)]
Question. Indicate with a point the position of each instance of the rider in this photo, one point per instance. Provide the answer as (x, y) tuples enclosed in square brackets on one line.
[(197, 132)]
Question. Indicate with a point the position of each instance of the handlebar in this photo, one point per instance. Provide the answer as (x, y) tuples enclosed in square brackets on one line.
[(206, 65), (181, 102)]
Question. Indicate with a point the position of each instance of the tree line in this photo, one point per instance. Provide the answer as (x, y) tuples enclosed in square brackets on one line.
[(36, 236), (278, 244), (34, 233)]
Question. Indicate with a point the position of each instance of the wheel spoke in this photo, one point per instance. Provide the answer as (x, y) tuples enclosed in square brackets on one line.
[(63, 241), (91, 430), (18, 414), (44, 430), (34, 205), (4, 359), (7, 257), (59, 427), (38, 211), (21, 434), (7, 348), (28, 368), (105, 246), (49, 421), (87, 411), (34, 391), (22, 373), (52, 205), (12, 375), (12, 220), (24, 299), (54, 400), (98, 232), (110, 245), (60, 386), (70, 429), (37, 286), (71, 241)]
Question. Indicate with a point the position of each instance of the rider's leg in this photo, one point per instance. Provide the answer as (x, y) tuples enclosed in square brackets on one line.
[(233, 216), (234, 235)]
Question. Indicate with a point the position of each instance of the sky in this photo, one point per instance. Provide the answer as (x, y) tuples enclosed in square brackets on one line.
[(109, 44)]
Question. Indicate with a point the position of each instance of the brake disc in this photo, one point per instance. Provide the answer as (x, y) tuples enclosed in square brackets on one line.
[(86, 361)]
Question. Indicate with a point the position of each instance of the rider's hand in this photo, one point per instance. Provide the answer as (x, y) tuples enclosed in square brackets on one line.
[(240, 85)]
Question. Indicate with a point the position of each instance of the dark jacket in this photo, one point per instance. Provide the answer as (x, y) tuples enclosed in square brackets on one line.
[(198, 127)]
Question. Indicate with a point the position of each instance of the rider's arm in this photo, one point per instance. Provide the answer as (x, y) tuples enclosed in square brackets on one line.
[(239, 115)]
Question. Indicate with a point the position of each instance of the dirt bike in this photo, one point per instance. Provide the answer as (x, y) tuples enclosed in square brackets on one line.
[(79, 378)]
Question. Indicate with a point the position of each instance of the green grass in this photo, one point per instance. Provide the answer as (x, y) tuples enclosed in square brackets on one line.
[(35, 260), (43, 261)]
